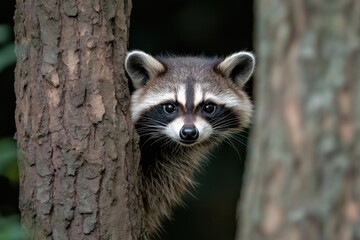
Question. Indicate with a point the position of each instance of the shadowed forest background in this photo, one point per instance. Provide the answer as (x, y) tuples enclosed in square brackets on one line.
[(158, 27)]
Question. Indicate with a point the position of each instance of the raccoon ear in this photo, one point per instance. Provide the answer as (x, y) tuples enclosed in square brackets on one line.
[(238, 67), (141, 66)]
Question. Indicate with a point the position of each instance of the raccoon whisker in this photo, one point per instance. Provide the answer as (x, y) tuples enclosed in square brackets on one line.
[(242, 134), (170, 142), (231, 144), (240, 139), (149, 130), (147, 122), (224, 116), (219, 123), (161, 138), (240, 142), (157, 136), (176, 149), (224, 120), (229, 136)]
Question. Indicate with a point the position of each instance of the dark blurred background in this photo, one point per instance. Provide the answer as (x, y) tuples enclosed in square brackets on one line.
[(205, 27), (9, 213)]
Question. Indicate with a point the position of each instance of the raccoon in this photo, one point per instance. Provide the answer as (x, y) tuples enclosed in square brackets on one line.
[(182, 107)]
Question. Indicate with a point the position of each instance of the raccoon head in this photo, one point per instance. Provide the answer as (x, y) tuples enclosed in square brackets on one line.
[(189, 100)]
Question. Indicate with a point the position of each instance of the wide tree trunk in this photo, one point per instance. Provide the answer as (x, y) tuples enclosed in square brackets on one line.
[(303, 174), (78, 158)]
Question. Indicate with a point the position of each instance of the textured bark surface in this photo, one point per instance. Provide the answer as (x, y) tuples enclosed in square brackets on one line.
[(78, 157), (303, 174)]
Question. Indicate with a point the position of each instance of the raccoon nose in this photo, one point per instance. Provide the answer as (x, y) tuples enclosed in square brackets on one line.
[(189, 133)]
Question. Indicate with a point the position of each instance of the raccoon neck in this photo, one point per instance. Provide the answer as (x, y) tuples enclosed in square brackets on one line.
[(167, 175)]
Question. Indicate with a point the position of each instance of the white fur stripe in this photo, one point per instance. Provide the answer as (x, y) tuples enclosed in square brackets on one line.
[(198, 98), (173, 129), (229, 100), (181, 95), (205, 129)]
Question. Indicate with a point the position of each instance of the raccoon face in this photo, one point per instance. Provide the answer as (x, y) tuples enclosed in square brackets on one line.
[(189, 100)]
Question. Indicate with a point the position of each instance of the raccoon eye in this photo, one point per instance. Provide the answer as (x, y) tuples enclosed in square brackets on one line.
[(169, 108), (209, 108)]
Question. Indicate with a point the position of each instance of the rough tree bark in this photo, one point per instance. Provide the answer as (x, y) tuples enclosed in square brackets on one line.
[(303, 174), (78, 157)]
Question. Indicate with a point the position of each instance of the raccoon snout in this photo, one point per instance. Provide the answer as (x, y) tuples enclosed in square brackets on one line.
[(189, 134)]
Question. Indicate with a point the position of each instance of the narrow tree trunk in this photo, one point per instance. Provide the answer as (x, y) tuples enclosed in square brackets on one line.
[(303, 174), (78, 158)]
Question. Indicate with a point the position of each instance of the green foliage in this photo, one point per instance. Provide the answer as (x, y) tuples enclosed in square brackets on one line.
[(10, 228), (7, 52), (8, 157), (8, 152)]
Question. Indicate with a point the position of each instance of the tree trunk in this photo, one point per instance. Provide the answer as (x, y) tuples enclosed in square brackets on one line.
[(78, 157), (303, 174)]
